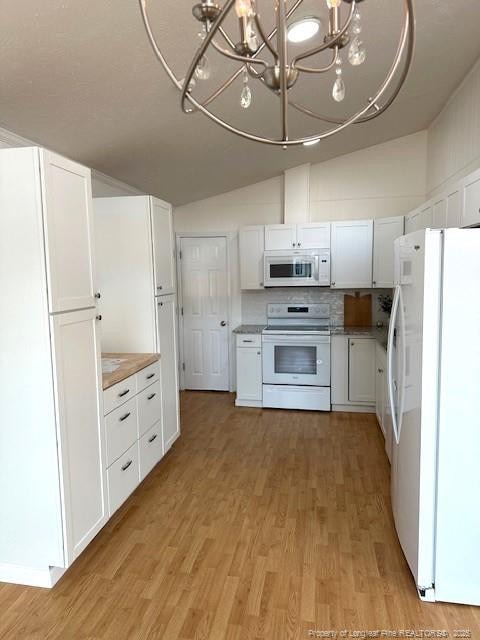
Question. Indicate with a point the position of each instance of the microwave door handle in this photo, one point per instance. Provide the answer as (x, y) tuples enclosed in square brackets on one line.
[(317, 268)]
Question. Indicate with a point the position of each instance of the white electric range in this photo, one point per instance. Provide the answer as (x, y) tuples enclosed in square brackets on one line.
[(296, 357)]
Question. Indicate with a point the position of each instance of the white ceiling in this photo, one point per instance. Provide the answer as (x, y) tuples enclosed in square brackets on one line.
[(80, 77)]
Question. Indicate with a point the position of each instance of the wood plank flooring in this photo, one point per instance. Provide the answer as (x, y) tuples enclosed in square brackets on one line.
[(257, 525)]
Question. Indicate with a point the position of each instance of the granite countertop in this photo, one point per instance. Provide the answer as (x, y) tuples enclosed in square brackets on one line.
[(124, 365), (249, 328)]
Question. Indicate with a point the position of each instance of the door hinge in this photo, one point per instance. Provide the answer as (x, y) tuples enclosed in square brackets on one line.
[(180, 255), (183, 366), (181, 310)]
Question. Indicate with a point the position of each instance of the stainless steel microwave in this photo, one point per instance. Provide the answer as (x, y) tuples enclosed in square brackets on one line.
[(302, 268)]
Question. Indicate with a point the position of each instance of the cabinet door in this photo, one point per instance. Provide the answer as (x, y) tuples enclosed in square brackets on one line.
[(339, 370), (361, 370), (315, 235), (426, 217), (471, 205), (454, 208), (439, 214), (167, 347), (412, 221), (352, 254), (163, 248), (76, 358), (252, 245), (280, 237), (380, 386), (386, 231), (249, 374), (67, 205)]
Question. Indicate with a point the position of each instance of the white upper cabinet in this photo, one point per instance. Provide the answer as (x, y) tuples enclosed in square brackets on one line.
[(454, 208), (67, 202), (471, 200), (352, 244), (163, 247), (426, 216), (252, 245), (313, 235), (385, 232), (283, 237), (280, 237), (439, 213)]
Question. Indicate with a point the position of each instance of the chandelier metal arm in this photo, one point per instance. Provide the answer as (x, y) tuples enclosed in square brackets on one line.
[(282, 62), (373, 104), (328, 45), (300, 67), (264, 36), (201, 51), (236, 56)]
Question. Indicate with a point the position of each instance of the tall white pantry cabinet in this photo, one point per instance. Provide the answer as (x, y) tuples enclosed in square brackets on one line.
[(136, 274), (52, 481)]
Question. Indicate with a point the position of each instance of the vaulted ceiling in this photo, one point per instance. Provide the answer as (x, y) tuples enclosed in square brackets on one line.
[(80, 78)]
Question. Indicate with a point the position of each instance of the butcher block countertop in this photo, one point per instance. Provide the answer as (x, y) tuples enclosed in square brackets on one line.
[(125, 365)]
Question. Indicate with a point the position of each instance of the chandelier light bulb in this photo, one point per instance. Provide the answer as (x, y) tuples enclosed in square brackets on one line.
[(243, 8), (333, 4)]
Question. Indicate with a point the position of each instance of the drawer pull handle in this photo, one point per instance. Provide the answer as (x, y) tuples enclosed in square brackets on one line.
[(124, 393), (151, 396), (247, 340), (126, 465), (152, 375), (127, 415), (154, 437)]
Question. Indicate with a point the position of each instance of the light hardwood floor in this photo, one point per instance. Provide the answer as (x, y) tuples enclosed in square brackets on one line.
[(259, 525)]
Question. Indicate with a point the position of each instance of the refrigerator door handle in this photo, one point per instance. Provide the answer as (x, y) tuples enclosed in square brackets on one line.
[(391, 333), (404, 367)]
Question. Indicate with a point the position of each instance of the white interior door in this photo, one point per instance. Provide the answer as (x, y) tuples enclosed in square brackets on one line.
[(205, 313)]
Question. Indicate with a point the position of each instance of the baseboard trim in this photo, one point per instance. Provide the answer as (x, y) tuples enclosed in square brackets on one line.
[(258, 404), (30, 576), (353, 408)]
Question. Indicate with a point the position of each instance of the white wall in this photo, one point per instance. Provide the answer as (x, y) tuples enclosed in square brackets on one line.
[(388, 179), (454, 136)]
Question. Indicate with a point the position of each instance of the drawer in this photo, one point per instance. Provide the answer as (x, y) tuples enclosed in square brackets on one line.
[(147, 376), (250, 340), (121, 430), (123, 478), (119, 393), (149, 405), (150, 449)]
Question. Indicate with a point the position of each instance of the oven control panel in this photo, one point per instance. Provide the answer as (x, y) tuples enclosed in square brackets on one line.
[(298, 310)]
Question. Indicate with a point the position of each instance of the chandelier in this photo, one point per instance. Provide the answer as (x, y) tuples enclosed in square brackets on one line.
[(264, 58)]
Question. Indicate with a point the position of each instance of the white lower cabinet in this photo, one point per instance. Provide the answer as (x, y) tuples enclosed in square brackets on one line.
[(167, 346), (249, 371), (123, 478), (353, 373), (150, 449), (134, 433)]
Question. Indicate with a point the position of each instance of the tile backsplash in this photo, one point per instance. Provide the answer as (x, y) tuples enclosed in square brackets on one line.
[(254, 303)]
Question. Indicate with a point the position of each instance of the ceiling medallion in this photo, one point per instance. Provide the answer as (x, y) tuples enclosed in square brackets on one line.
[(277, 70)]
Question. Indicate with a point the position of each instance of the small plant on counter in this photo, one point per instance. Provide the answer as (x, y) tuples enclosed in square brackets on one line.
[(385, 302)]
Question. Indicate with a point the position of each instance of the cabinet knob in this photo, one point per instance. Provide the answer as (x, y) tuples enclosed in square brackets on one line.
[(299, 244), (259, 353), (293, 244), (333, 284), (374, 282), (98, 295), (352, 344), (380, 371), (223, 323), (98, 317)]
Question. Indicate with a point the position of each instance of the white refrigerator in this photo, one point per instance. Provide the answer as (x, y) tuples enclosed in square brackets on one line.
[(434, 390)]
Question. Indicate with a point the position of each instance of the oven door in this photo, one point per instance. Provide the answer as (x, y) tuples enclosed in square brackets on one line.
[(296, 270), (296, 360)]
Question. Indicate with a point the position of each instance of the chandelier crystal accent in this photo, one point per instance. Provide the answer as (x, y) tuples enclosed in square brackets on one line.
[(264, 58)]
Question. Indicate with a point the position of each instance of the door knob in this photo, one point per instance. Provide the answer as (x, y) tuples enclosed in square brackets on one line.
[(223, 323), (98, 296)]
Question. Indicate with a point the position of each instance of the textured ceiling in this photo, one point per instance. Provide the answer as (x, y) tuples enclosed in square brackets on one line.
[(80, 77)]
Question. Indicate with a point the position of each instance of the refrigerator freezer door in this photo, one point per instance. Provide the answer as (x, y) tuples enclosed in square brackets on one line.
[(418, 258), (457, 567)]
